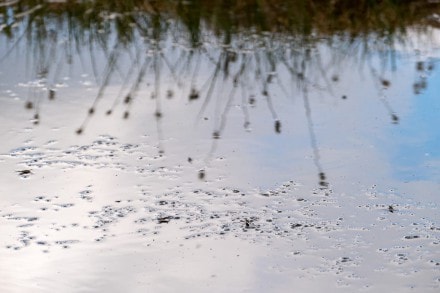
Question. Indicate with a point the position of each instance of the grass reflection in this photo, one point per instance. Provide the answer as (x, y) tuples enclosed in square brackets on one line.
[(222, 17), (243, 45)]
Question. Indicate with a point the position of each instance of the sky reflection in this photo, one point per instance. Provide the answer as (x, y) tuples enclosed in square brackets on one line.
[(416, 154), (319, 154)]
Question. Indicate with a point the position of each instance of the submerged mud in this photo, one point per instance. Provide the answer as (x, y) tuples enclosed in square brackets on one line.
[(351, 235)]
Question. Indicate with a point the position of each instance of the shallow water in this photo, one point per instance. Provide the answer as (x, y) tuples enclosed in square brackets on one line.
[(328, 181)]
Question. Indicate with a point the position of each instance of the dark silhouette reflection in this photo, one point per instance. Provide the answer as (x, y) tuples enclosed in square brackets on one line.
[(313, 142), (216, 53)]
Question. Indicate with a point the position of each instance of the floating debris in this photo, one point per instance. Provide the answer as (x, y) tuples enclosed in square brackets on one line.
[(386, 83), (252, 100), (127, 99), (164, 220), (194, 94), (24, 173), (202, 174), (29, 105), (278, 126), (51, 94)]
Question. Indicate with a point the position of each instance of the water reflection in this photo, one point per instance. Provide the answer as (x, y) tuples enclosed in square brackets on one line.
[(209, 54), (289, 125)]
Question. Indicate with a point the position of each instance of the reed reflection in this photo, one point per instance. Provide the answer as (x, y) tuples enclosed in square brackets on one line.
[(216, 52)]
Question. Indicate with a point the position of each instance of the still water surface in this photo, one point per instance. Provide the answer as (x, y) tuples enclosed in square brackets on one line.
[(259, 165)]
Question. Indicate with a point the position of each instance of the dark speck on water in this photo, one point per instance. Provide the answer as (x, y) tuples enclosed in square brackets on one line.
[(36, 118), (29, 105), (385, 82), (277, 126), (194, 95), (412, 237), (51, 94), (25, 172), (202, 174), (164, 220)]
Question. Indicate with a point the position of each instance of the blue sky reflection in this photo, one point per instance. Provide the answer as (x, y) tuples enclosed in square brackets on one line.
[(416, 153)]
